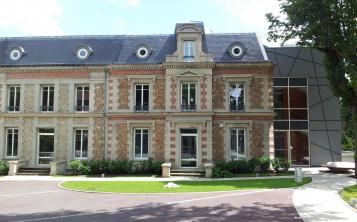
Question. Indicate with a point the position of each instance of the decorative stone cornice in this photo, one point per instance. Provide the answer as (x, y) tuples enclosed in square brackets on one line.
[(136, 67), (246, 65), (193, 65), (43, 69)]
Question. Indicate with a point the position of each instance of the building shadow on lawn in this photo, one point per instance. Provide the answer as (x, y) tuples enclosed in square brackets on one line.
[(258, 212)]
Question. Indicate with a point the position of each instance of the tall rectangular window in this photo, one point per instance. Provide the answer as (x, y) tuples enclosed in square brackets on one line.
[(236, 97), (47, 98), (291, 122), (188, 51), (237, 144), (141, 142), (81, 143), (141, 97), (82, 98), (14, 99), (12, 136), (188, 96)]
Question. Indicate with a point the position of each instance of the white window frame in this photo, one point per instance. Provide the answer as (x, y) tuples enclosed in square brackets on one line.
[(189, 50), (229, 95), (75, 142), (82, 95), (141, 143), (12, 142), (142, 96), (239, 156), (48, 97), (189, 95), (17, 88)]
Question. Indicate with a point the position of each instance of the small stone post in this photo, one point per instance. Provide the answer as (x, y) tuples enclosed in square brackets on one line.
[(298, 175), (208, 170), (166, 170)]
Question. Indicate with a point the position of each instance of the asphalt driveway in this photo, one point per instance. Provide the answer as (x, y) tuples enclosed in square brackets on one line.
[(44, 201)]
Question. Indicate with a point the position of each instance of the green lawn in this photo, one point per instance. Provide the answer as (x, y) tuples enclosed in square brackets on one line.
[(185, 186), (349, 192)]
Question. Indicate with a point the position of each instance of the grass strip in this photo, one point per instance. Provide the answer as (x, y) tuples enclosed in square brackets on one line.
[(349, 192), (185, 186)]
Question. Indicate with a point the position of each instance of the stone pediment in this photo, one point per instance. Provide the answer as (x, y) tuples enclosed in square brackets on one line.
[(189, 72)]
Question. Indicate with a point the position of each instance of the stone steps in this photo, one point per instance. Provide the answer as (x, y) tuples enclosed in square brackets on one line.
[(33, 171), (188, 173)]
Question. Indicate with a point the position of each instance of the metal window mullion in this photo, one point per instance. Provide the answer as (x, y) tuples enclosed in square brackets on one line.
[(82, 138), (237, 142), (142, 95), (48, 98), (141, 143)]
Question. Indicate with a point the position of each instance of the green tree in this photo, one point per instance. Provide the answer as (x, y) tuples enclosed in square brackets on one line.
[(331, 27)]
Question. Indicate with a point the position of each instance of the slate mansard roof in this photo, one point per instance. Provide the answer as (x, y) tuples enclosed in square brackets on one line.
[(120, 49)]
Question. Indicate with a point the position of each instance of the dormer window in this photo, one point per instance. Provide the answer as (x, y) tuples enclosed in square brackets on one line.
[(188, 51)]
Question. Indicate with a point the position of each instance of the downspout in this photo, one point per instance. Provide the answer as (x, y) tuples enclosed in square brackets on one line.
[(105, 114)]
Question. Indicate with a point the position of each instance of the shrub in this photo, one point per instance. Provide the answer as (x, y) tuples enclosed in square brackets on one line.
[(115, 167), (79, 167), (280, 165), (264, 164), (221, 173), (4, 169)]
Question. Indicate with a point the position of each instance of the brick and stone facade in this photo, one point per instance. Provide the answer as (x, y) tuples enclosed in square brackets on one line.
[(112, 117)]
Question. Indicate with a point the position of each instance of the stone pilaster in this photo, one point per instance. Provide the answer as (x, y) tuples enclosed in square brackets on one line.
[(98, 138), (63, 98), (122, 141)]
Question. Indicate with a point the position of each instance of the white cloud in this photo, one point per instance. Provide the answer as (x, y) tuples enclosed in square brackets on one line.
[(251, 13), (36, 17)]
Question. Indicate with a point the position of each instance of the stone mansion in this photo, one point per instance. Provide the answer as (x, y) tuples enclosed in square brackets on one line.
[(187, 98)]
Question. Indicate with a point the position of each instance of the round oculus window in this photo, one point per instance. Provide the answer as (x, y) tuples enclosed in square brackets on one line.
[(16, 53), (83, 52), (236, 50), (143, 52)]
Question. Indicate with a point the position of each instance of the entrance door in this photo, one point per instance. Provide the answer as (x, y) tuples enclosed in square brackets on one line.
[(292, 146), (45, 146), (188, 148)]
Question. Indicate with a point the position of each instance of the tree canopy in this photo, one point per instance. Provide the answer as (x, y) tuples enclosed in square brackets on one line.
[(331, 27)]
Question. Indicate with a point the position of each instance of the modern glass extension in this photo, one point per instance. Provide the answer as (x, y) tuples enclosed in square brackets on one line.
[(291, 124)]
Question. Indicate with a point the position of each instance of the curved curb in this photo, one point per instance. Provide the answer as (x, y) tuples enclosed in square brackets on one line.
[(195, 192)]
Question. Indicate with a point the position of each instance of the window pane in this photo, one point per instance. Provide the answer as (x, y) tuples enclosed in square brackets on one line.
[(138, 95), (17, 104), (85, 144), (79, 98), (193, 131), (241, 143), (51, 98), (281, 144), (297, 81), (145, 142), (281, 97), (192, 94), (234, 145), (280, 81), (9, 142), (86, 97), (146, 98), (44, 98), (299, 125), (300, 114), (185, 94), (281, 114), (281, 125), (15, 142), (137, 149), (299, 141), (298, 97), (77, 148)]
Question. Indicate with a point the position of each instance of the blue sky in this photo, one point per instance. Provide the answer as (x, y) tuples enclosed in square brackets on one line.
[(101, 17)]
